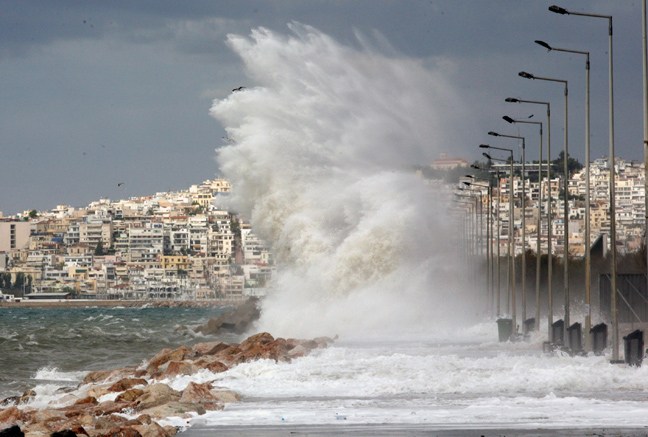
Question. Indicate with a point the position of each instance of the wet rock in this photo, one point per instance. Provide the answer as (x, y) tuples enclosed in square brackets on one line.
[(12, 400), (11, 415), (176, 368), (121, 432), (213, 366), (210, 348), (130, 395), (87, 400), (236, 320), (26, 397), (155, 395), (151, 430), (174, 409), (126, 383), (225, 396), (166, 355)]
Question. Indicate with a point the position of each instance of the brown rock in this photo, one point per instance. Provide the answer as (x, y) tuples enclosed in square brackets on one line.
[(263, 338), (97, 376), (13, 400), (11, 415), (130, 395), (121, 432), (213, 366), (166, 355), (109, 421), (174, 409), (170, 430), (126, 383), (179, 368), (97, 392), (225, 396), (156, 394), (142, 419), (109, 407), (151, 430), (87, 400), (195, 393), (79, 430), (210, 348), (26, 397)]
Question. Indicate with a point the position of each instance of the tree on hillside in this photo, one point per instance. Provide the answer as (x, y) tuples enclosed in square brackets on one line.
[(99, 250), (558, 164), (33, 214)]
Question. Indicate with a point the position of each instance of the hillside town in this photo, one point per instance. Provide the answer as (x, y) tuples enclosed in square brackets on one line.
[(179, 245), (172, 245), (629, 195)]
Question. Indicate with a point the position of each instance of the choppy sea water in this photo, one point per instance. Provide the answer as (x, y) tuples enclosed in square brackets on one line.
[(59, 346), (422, 380)]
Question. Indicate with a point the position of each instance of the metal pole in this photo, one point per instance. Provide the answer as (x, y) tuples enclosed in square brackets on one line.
[(615, 310), (539, 233), (549, 226), (645, 109), (566, 222), (511, 240), (588, 241), (499, 271), (523, 234)]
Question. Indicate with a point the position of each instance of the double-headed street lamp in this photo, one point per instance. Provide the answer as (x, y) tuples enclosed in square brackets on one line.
[(511, 285), (566, 204), (495, 134), (549, 220), (588, 243), (615, 320)]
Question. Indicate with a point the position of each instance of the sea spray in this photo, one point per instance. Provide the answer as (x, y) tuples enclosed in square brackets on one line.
[(322, 159)]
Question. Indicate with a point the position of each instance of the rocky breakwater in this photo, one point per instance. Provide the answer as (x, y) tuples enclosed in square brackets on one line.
[(129, 402)]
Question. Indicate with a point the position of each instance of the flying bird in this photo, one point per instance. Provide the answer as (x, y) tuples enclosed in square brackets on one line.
[(229, 139), (241, 88), (120, 184)]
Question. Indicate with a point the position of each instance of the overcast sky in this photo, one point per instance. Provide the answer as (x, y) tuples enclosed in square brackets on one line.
[(96, 93)]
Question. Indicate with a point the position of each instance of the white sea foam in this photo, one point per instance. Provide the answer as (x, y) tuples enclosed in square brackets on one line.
[(323, 164), (54, 374)]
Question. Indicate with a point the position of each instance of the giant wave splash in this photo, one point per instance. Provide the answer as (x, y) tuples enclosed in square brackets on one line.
[(322, 158)]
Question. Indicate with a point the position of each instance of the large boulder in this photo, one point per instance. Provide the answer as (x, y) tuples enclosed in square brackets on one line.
[(237, 320)]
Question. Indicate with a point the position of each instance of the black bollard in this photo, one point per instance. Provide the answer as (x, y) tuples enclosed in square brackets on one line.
[(505, 329), (599, 338), (634, 345), (558, 333), (574, 336)]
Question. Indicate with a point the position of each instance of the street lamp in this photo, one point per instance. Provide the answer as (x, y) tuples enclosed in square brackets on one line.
[(615, 318), (588, 243), (480, 187), (497, 228), (539, 222), (565, 203), (549, 221), (495, 134), (510, 231)]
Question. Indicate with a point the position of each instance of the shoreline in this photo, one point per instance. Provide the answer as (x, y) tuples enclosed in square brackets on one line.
[(79, 303)]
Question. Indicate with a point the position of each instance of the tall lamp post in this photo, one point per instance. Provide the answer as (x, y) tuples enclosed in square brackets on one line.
[(645, 111), (615, 318), (497, 227), (549, 221), (588, 242), (565, 202), (495, 134), (480, 187), (510, 236), (539, 222)]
